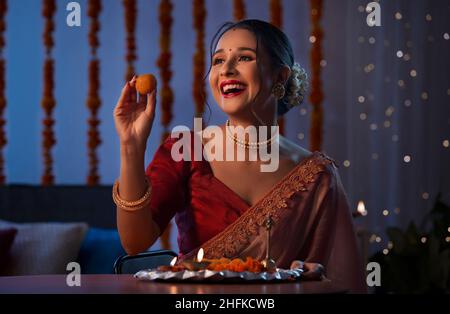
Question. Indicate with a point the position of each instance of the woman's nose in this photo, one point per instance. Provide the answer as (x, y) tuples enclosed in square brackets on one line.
[(228, 68)]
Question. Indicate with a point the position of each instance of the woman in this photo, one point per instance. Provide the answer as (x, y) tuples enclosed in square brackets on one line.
[(223, 206)]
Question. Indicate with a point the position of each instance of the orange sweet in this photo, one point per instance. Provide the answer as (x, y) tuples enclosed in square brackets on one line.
[(145, 83)]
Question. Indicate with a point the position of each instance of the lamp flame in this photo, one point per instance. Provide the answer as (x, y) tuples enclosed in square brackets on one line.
[(361, 208), (174, 261), (200, 255)]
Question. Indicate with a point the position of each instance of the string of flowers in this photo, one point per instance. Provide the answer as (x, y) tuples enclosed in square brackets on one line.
[(167, 97), (48, 102), (93, 100), (316, 95), (198, 86), (276, 18), (130, 26), (239, 10), (3, 141)]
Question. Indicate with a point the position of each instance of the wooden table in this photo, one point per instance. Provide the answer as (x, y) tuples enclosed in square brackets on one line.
[(126, 284)]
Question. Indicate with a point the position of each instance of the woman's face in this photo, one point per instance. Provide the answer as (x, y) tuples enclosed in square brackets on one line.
[(234, 78)]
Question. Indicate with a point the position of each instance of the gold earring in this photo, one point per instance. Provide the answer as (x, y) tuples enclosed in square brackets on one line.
[(278, 90)]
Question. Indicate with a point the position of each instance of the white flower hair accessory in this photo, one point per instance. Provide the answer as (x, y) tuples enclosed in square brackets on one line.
[(296, 86)]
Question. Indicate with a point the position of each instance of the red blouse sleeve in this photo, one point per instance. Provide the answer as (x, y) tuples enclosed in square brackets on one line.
[(169, 181)]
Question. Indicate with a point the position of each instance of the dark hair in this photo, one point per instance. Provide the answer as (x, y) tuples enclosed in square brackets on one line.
[(268, 36)]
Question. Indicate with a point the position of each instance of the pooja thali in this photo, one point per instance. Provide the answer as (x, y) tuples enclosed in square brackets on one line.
[(222, 276)]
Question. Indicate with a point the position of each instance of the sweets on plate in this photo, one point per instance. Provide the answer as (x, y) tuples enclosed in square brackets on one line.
[(236, 265)]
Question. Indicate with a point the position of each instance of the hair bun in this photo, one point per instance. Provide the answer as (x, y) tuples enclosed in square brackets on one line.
[(296, 86)]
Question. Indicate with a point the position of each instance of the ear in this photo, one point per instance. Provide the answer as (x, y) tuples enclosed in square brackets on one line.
[(283, 74)]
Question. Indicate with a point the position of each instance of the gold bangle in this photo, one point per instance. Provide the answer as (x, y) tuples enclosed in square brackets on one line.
[(131, 205)]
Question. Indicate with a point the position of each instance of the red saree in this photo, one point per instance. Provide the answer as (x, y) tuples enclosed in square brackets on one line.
[(312, 221)]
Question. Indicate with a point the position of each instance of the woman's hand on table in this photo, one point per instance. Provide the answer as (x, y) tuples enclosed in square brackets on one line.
[(311, 271)]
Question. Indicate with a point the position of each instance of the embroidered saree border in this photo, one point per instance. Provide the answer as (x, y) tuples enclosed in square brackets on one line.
[(230, 241)]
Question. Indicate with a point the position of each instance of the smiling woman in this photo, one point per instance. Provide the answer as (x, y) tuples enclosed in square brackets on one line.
[(222, 206)]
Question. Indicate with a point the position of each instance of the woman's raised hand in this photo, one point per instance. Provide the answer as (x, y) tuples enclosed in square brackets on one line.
[(134, 117)]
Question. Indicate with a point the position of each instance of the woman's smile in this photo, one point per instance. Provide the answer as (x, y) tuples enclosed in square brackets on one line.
[(232, 88)]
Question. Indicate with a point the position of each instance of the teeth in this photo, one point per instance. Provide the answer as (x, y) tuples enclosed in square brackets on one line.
[(232, 86)]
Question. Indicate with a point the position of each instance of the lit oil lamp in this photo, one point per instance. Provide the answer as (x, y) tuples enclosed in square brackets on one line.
[(198, 263)]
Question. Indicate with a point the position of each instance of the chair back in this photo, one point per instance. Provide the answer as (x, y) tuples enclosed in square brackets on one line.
[(131, 264)]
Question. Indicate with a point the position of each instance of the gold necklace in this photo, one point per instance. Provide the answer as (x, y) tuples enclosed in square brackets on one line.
[(245, 144)]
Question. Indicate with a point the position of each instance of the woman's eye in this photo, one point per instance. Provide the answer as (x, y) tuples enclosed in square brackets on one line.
[(217, 61), (245, 58)]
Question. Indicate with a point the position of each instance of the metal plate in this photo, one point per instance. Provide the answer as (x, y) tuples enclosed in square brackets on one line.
[(214, 276)]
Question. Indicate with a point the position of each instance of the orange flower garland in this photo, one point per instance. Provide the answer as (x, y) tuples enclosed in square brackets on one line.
[(316, 95), (130, 26), (3, 141), (239, 10), (198, 86), (93, 102), (164, 60), (48, 102), (276, 18)]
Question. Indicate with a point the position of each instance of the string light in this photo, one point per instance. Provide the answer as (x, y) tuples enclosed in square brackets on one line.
[(375, 156), (303, 111), (399, 53), (323, 63), (389, 111), (363, 116), (424, 95), (407, 103), (423, 240), (398, 16), (385, 251), (397, 210), (378, 239), (385, 212), (447, 239), (372, 40), (413, 73), (301, 136), (390, 245), (428, 17), (373, 126), (446, 36), (387, 124), (407, 158), (361, 99), (445, 143), (395, 138), (401, 83), (406, 57), (312, 39), (361, 39), (425, 195), (347, 164)]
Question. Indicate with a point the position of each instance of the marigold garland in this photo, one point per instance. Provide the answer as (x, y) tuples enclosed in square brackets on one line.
[(48, 102), (93, 100), (167, 97), (198, 85), (239, 10), (130, 26), (316, 95), (3, 140), (276, 18)]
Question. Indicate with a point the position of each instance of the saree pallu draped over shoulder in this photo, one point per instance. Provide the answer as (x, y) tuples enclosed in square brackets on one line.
[(311, 222)]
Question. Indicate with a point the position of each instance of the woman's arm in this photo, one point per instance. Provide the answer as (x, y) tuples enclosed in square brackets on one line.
[(133, 119), (137, 229)]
